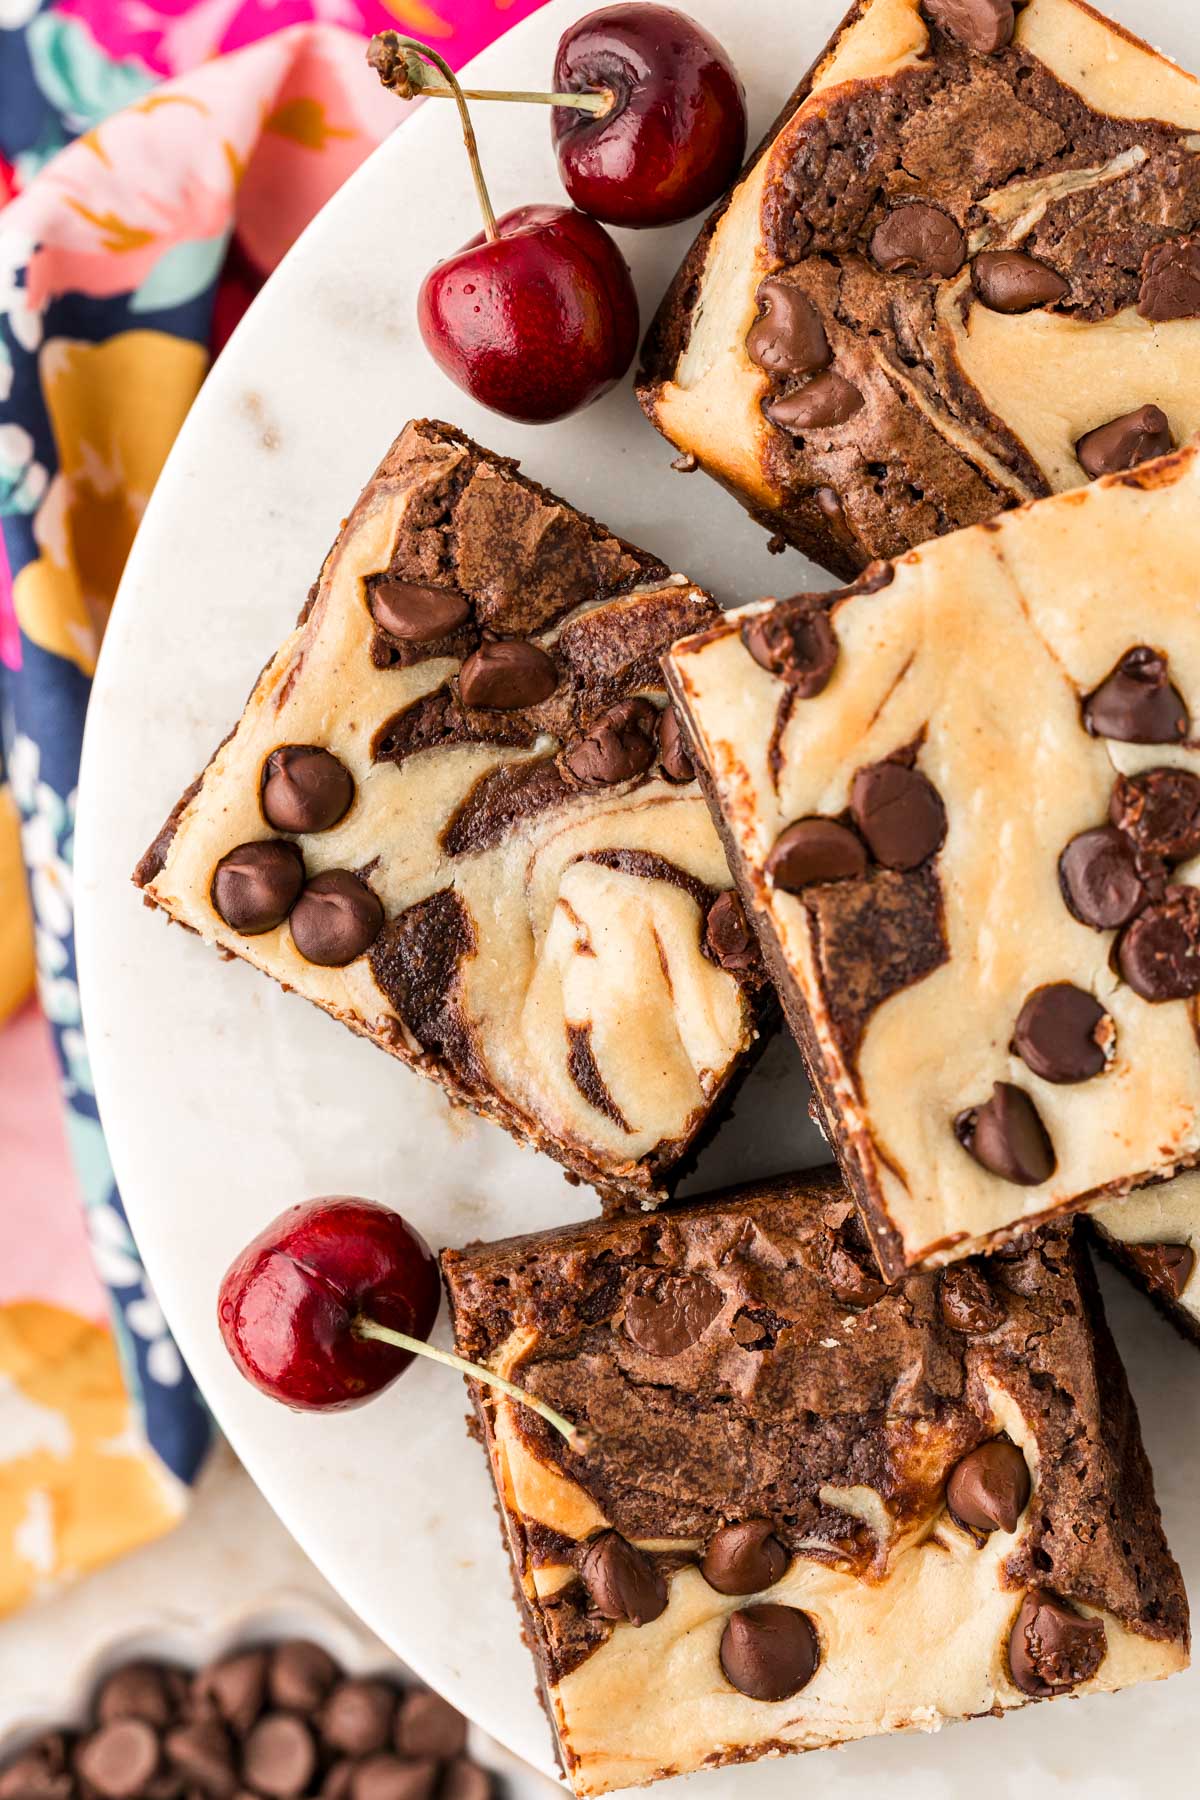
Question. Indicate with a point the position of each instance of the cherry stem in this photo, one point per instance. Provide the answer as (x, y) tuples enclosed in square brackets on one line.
[(408, 78), (394, 60), (400, 1340)]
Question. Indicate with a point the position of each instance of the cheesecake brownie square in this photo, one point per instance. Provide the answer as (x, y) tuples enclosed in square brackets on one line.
[(962, 798), (811, 1508), (1154, 1236), (962, 273), (457, 815)]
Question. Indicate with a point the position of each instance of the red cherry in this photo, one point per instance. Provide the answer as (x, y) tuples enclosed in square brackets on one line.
[(289, 1303), (536, 322), (675, 136)]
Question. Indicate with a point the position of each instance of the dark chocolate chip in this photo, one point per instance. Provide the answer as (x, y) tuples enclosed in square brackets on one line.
[(1123, 443), (201, 1753), (300, 1675), (828, 399), (769, 1652), (336, 918), (1006, 1136), (852, 1284), (967, 1301), (918, 239), (620, 745), (990, 1488), (465, 1780), (1063, 1034), (138, 1691), (1159, 954), (1167, 1267), (305, 788), (1102, 878), (676, 763), (1137, 704), (899, 812), (745, 1558), (357, 1717), (255, 886), (727, 934), (1008, 281), (386, 1777), (788, 338), (417, 613), (237, 1687), (339, 1778), (280, 1757), (118, 1760), (1159, 811), (795, 641), (1171, 281), (815, 850), (982, 25), (621, 1581), (506, 675), (829, 505), (427, 1725), (674, 1315), (1051, 1647)]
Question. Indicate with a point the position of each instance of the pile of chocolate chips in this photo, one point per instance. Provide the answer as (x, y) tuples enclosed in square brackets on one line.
[(282, 1723)]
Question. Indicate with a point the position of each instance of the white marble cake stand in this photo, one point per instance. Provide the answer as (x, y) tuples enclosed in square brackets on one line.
[(225, 1100)]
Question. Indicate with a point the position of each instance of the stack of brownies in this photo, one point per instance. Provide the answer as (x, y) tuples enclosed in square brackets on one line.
[(533, 814)]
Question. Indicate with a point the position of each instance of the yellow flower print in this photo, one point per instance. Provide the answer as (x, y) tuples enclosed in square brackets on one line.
[(76, 1487), (115, 409)]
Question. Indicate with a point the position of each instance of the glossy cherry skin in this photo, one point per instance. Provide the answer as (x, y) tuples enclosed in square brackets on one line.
[(288, 1303), (537, 323), (676, 137)]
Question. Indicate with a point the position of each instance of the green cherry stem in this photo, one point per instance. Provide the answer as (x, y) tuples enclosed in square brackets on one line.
[(407, 77), (395, 60), (400, 1340)]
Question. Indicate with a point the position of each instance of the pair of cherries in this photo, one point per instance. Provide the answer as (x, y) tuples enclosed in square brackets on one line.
[(537, 316)]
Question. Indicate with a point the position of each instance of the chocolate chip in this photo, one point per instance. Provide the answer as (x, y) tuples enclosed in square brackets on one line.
[(357, 1717), (918, 239), (138, 1691), (427, 1725), (300, 1675), (1101, 876), (1171, 281), (237, 1687), (1007, 1137), (815, 850), (417, 613), (1137, 704), (39, 1773), (829, 504), (620, 745), (201, 1753), (727, 934), (305, 788), (795, 641), (1165, 1266), (335, 919), (1008, 281), (255, 886), (677, 765), (990, 1488), (899, 812), (465, 1780), (1063, 1034), (788, 338), (339, 1778), (280, 1757), (982, 25), (673, 1315), (385, 1777), (967, 1302), (1051, 1647), (505, 675), (828, 399), (769, 1652), (621, 1581), (119, 1759), (745, 1558), (1159, 954), (1123, 443), (853, 1284), (1159, 811)]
